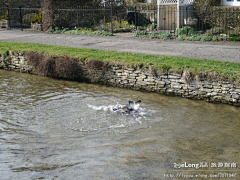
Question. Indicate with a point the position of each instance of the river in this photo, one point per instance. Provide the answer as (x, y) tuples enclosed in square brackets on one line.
[(57, 129)]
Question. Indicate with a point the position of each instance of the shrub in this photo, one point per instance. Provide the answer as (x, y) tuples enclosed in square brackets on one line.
[(190, 38), (206, 38), (67, 68), (38, 18), (34, 58), (213, 15), (164, 36), (6, 16), (186, 30), (224, 17), (61, 67), (235, 38), (140, 33), (181, 37), (204, 7), (27, 19), (217, 38), (196, 38), (95, 64), (46, 67), (215, 30), (96, 69)]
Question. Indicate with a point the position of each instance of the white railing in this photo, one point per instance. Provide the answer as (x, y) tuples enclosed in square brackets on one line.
[(165, 2), (169, 2), (186, 2)]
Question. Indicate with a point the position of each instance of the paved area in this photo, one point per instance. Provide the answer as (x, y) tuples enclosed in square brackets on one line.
[(223, 51)]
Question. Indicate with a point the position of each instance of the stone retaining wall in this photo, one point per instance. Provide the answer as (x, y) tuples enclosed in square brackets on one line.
[(179, 84)]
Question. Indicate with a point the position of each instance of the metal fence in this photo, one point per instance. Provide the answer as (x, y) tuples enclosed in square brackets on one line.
[(105, 18), (90, 17), (19, 17), (148, 18)]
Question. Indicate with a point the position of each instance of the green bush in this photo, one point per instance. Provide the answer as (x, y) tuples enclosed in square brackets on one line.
[(196, 38), (140, 33), (193, 38), (186, 30), (164, 36), (38, 18), (235, 38), (215, 30), (217, 38), (6, 16), (181, 37), (206, 38), (27, 19)]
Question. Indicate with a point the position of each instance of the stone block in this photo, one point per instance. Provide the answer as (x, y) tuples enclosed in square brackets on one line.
[(209, 86), (235, 96), (227, 85), (200, 92), (142, 83), (132, 76), (176, 86), (149, 80), (173, 77), (212, 94), (206, 90)]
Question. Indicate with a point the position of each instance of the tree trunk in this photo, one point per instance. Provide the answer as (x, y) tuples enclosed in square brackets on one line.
[(48, 14)]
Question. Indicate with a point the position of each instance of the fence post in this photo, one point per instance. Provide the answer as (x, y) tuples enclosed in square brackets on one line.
[(178, 14), (77, 16), (186, 20), (135, 16), (20, 13), (158, 16), (112, 18)]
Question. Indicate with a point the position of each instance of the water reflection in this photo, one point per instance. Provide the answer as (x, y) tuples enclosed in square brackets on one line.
[(55, 129)]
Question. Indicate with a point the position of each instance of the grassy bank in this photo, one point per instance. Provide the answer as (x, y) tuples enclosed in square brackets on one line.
[(222, 70)]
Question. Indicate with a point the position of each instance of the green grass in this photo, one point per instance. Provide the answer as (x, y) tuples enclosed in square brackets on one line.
[(225, 70)]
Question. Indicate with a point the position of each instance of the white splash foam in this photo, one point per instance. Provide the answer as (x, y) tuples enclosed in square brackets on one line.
[(117, 126), (102, 108)]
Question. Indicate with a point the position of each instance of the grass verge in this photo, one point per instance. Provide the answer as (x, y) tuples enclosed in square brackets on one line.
[(222, 70)]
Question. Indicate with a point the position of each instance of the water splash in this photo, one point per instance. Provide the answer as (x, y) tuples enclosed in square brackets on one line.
[(101, 108)]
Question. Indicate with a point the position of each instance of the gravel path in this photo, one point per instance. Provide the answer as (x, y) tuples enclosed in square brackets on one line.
[(223, 51)]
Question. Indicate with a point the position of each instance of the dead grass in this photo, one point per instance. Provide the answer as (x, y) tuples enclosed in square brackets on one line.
[(60, 67)]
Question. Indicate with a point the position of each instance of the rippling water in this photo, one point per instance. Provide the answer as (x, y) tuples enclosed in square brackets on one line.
[(55, 129)]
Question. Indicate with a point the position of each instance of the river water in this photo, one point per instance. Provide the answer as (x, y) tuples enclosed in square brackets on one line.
[(56, 129)]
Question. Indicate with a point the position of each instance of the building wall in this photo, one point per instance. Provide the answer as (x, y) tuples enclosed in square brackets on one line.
[(230, 3)]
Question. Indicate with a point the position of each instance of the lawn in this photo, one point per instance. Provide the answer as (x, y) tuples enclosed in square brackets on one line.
[(224, 70)]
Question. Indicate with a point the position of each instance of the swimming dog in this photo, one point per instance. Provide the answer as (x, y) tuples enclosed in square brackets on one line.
[(131, 107)]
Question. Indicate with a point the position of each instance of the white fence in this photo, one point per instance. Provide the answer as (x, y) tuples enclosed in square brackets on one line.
[(171, 2)]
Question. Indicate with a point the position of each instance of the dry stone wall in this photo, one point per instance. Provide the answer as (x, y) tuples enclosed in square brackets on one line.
[(15, 61), (179, 84)]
